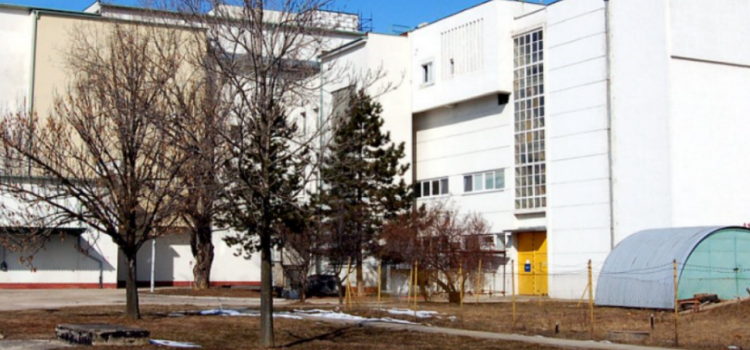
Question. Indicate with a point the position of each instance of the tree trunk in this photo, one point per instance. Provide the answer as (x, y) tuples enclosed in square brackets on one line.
[(360, 276), (132, 310), (266, 292), (203, 252)]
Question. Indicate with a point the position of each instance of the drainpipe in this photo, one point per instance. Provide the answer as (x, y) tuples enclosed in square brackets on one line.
[(32, 73), (101, 264), (4, 265), (153, 262), (610, 153)]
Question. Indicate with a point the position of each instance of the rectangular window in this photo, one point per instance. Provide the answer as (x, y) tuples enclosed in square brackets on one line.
[(478, 183), (427, 74), (432, 188), (487, 181), (468, 182), (529, 103)]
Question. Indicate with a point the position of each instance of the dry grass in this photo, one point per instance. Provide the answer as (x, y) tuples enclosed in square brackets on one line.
[(712, 329), (238, 332)]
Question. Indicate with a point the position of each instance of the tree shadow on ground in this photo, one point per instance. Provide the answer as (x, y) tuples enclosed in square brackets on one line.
[(326, 336)]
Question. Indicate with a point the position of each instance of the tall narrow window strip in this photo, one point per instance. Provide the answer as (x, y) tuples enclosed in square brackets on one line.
[(529, 103)]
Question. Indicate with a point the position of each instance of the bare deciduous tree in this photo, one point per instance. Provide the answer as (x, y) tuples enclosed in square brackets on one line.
[(265, 52), (442, 240), (100, 160), (199, 122)]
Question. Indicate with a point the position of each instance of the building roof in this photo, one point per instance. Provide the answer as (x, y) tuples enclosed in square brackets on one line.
[(639, 272)]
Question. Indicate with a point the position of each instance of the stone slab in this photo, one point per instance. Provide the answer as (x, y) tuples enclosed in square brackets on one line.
[(102, 334)]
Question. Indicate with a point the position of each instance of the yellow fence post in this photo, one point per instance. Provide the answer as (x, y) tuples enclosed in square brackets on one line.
[(380, 279), (513, 289), (408, 286), (461, 284), (479, 281), (676, 305), (591, 301), (348, 284), (416, 285)]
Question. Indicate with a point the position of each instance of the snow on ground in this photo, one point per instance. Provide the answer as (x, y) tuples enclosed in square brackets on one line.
[(343, 316), (174, 344), (246, 313), (336, 315), (419, 314)]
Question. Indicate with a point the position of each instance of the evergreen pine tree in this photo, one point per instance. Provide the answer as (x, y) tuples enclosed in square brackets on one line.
[(363, 183)]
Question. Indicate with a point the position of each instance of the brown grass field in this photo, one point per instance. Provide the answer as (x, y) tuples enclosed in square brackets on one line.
[(710, 329), (238, 332)]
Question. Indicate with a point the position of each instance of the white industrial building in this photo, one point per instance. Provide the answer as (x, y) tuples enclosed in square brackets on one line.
[(32, 71), (574, 125), (569, 126)]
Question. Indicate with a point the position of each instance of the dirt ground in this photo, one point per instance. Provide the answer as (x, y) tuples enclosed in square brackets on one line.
[(215, 332), (710, 329), (212, 292)]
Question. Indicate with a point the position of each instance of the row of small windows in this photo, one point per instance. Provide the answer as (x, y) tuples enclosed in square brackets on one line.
[(493, 180), (431, 188), (479, 182)]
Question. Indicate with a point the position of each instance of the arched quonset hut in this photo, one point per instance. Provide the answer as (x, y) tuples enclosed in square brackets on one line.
[(639, 271)]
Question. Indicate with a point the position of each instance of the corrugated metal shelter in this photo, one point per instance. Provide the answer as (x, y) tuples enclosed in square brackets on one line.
[(639, 271)]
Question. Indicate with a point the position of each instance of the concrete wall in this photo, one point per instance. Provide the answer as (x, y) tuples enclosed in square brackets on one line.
[(709, 76), (577, 143), (16, 31), (174, 263), (641, 114), (60, 264), (491, 24)]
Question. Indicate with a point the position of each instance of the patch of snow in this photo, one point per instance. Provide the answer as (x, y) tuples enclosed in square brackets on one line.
[(221, 312), (420, 314), (234, 313), (174, 344), (343, 316)]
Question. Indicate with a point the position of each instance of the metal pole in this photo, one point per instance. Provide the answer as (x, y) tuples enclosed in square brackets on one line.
[(348, 284), (591, 301), (676, 305), (153, 262), (461, 285), (409, 286), (380, 279), (513, 289), (416, 285), (479, 281)]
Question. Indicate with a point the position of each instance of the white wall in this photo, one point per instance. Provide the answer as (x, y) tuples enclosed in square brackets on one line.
[(61, 265), (174, 263), (577, 143), (16, 31), (709, 112), (496, 18), (641, 116)]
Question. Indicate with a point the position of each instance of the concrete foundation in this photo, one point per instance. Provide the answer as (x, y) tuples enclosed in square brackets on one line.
[(102, 334)]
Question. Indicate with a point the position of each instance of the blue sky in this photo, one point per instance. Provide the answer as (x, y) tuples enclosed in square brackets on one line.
[(385, 13)]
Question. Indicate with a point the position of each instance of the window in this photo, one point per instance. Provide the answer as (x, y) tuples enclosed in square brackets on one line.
[(487, 181), (341, 99), (427, 74), (431, 188), (530, 147)]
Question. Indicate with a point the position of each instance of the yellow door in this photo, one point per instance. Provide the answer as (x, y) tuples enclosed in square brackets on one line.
[(532, 263)]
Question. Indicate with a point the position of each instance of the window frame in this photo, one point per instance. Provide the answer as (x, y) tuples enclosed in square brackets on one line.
[(481, 176), (428, 185), (428, 73)]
